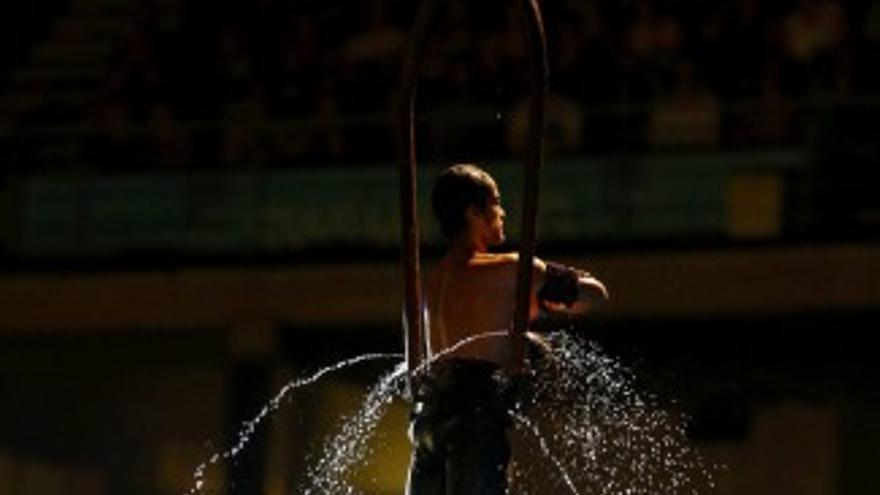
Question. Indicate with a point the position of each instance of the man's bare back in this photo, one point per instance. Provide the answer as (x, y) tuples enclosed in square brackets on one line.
[(470, 297)]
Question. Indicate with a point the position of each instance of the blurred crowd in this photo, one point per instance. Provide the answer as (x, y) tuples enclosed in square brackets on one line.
[(272, 83)]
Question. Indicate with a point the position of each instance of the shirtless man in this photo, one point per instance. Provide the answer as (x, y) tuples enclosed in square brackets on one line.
[(460, 418)]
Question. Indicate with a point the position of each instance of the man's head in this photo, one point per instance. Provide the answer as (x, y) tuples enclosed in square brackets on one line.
[(466, 201)]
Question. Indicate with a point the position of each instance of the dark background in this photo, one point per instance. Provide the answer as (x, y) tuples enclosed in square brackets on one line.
[(198, 204)]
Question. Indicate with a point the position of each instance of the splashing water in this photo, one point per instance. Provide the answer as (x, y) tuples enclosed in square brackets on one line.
[(581, 422), (351, 445), (249, 427), (525, 422), (606, 436)]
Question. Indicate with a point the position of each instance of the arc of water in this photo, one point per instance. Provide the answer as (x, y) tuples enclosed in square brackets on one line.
[(249, 427), (414, 336), (350, 445)]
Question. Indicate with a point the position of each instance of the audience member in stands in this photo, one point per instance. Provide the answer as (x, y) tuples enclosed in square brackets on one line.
[(813, 32), (247, 137), (371, 58), (317, 140), (114, 146), (688, 116), (235, 70), (564, 122), (136, 78), (768, 119), (655, 41), (168, 145), (740, 35)]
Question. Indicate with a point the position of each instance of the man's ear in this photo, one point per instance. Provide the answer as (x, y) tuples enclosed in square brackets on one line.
[(472, 213)]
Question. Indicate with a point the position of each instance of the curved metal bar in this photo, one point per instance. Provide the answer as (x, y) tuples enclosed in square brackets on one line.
[(404, 111), (533, 163)]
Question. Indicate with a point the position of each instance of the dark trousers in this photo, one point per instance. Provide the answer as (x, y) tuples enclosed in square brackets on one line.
[(460, 441)]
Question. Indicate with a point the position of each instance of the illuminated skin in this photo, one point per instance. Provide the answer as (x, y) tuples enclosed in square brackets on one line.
[(472, 291)]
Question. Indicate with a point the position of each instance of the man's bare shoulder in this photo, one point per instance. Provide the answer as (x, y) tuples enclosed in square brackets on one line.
[(508, 260), (496, 260)]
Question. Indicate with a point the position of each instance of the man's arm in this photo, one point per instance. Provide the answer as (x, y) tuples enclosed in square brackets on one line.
[(561, 288)]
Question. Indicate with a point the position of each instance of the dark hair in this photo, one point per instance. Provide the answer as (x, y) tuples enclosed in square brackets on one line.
[(457, 188)]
